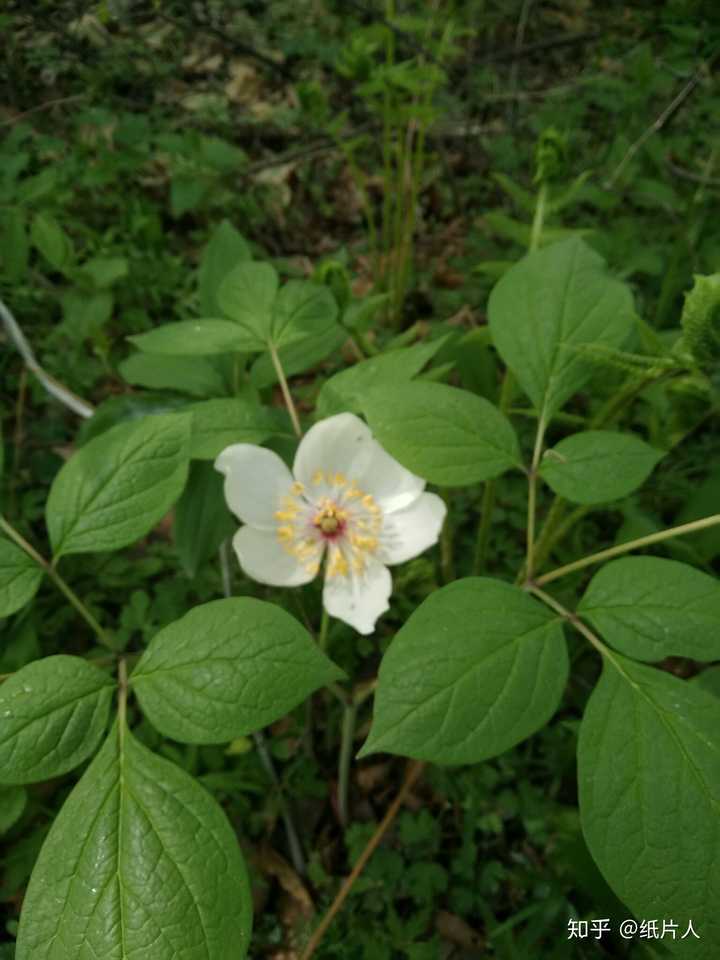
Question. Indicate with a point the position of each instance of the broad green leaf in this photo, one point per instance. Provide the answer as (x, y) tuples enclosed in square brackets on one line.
[(348, 389), (31, 189), (247, 295), (14, 245), (649, 779), (12, 806), (19, 578), (650, 608), (53, 713), (226, 249), (103, 272), (298, 356), (85, 314), (478, 667), (195, 338), (202, 519), (140, 864), (227, 668), (301, 310), (119, 485), (448, 436), (217, 424), (193, 375), (551, 301), (598, 466), (187, 192), (51, 240)]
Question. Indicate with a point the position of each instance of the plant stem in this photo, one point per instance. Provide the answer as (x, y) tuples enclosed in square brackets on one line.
[(622, 548), (488, 500), (52, 573), (414, 770), (323, 632), (447, 567), (287, 396), (122, 695), (532, 496), (346, 743), (538, 218), (577, 623), (294, 845)]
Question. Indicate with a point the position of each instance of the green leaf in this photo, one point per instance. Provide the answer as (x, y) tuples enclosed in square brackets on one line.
[(348, 389), (119, 485), (202, 520), (187, 192), (20, 578), (54, 712), (448, 436), (140, 863), (192, 375), (85, 314), (195, 338), (14, 246), (103, 272), (51, 240), (301, 310), (598, 466), (649, 779), (650, 608), (12, 806), (550, 302), (217, 424), (227, 668), (226, 249), (478, 667), (247, 295)]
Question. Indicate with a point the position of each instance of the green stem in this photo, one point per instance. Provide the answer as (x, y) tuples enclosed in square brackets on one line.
[(622, 548), (447, 566), (52, 573), (575, 621), (538, 218), (287, 396), (487, 506), (532, 496), (323, 632), (346, 743), (122, 696)]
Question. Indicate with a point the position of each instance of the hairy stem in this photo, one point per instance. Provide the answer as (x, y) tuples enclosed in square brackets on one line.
[(61, 584), (414, 770), (622, 548)]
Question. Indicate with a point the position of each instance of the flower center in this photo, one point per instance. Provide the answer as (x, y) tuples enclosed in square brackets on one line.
[(330, 519), (335, 513)]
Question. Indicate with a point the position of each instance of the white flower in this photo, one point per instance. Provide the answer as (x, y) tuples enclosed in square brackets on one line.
[(347, 499)]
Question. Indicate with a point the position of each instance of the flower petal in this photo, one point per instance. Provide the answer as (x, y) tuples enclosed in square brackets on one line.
[(264, 559), (359, 599), (255, 481), (408, 532), (344, 445)]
